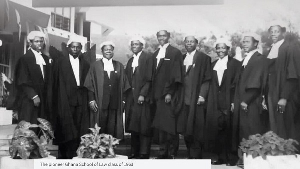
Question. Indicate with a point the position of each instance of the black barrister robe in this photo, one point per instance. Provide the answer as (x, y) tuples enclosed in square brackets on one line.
[(166, 78), (192, 123), (139, 117), (94, 83), (70, 125), (223, 94), (29, 82), (249, 88), (282, 82)]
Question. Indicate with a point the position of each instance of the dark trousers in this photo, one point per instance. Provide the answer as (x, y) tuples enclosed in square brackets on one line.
[(140, 144), (108, 122), (168, 144), (194, 147), (222, 143), (68, 149)]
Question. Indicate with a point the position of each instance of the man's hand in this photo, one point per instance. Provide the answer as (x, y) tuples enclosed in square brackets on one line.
[(168, 98), (232, 107), (244, 106), (201, 100), (141, 99), (93, 106), (281, 105), (264, 105), (37, 101)]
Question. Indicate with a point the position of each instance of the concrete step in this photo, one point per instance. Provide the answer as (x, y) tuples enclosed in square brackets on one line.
[(6, 133)]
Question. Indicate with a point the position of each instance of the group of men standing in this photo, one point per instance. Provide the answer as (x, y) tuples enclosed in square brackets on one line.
[(213, 105)]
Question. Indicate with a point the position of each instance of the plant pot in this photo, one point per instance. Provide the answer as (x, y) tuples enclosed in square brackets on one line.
[(117, 157), (272, 162), (6, 162)]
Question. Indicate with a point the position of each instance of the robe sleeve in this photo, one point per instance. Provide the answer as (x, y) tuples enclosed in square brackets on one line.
[(207, 77), (289, 87), (176, 75), (89, 84), (147, 78), (23, 79), (204, 89), (291, 75), (251, 95)]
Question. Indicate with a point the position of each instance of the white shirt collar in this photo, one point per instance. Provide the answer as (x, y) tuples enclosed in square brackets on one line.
[(248, 57), (38, 57), (75, 67), (135, 62), (108, 64), (188, 60), (274, 50), (164, 46), (162, 51), (220, 67)]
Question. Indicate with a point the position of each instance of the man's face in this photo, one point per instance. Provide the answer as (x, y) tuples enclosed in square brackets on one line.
[(136, 46), (190, 43), (249, 44), (163, 37), (108, 51), (37, 43), (75, 48), (276, 33), (222, 50)]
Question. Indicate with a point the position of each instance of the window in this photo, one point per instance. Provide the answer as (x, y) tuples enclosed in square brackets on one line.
[(60, 18)]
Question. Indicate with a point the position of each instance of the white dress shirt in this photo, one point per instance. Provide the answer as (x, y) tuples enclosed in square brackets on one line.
[(161, 53), (135, 62), (108, 66), (274, 50), (248, 57), (39, 60), (220, 67), (75, 67), (188, 60)]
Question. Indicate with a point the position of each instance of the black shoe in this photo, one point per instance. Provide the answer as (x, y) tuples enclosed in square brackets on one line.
[(218, 162), (171, 157), (162, 157), (144, 156), (133, 156)]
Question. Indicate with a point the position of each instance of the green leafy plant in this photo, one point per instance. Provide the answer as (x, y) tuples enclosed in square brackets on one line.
[(96, 145), (26, 144), (268, 144)]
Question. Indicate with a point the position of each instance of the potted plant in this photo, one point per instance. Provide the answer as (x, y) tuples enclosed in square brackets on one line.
[(27, 145), (269, 151), (96, 145)]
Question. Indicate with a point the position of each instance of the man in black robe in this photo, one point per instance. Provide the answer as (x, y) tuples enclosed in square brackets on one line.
[(106, 83), (137, 103), (33, 74), (167, 76), (248, 117), (282, 92), (69, 74), (220, 102), (197, 76)]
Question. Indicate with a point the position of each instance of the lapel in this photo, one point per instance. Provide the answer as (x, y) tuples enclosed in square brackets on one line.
[(47, 67), (161, 60), (36, 69), (252, 59), (69, 68)]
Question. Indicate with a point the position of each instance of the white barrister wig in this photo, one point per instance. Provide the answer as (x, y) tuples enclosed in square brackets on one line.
[(223, 40), (254, 35), (107, 43), (34, 34), (139, 38), (278, 22), (74, 39)]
